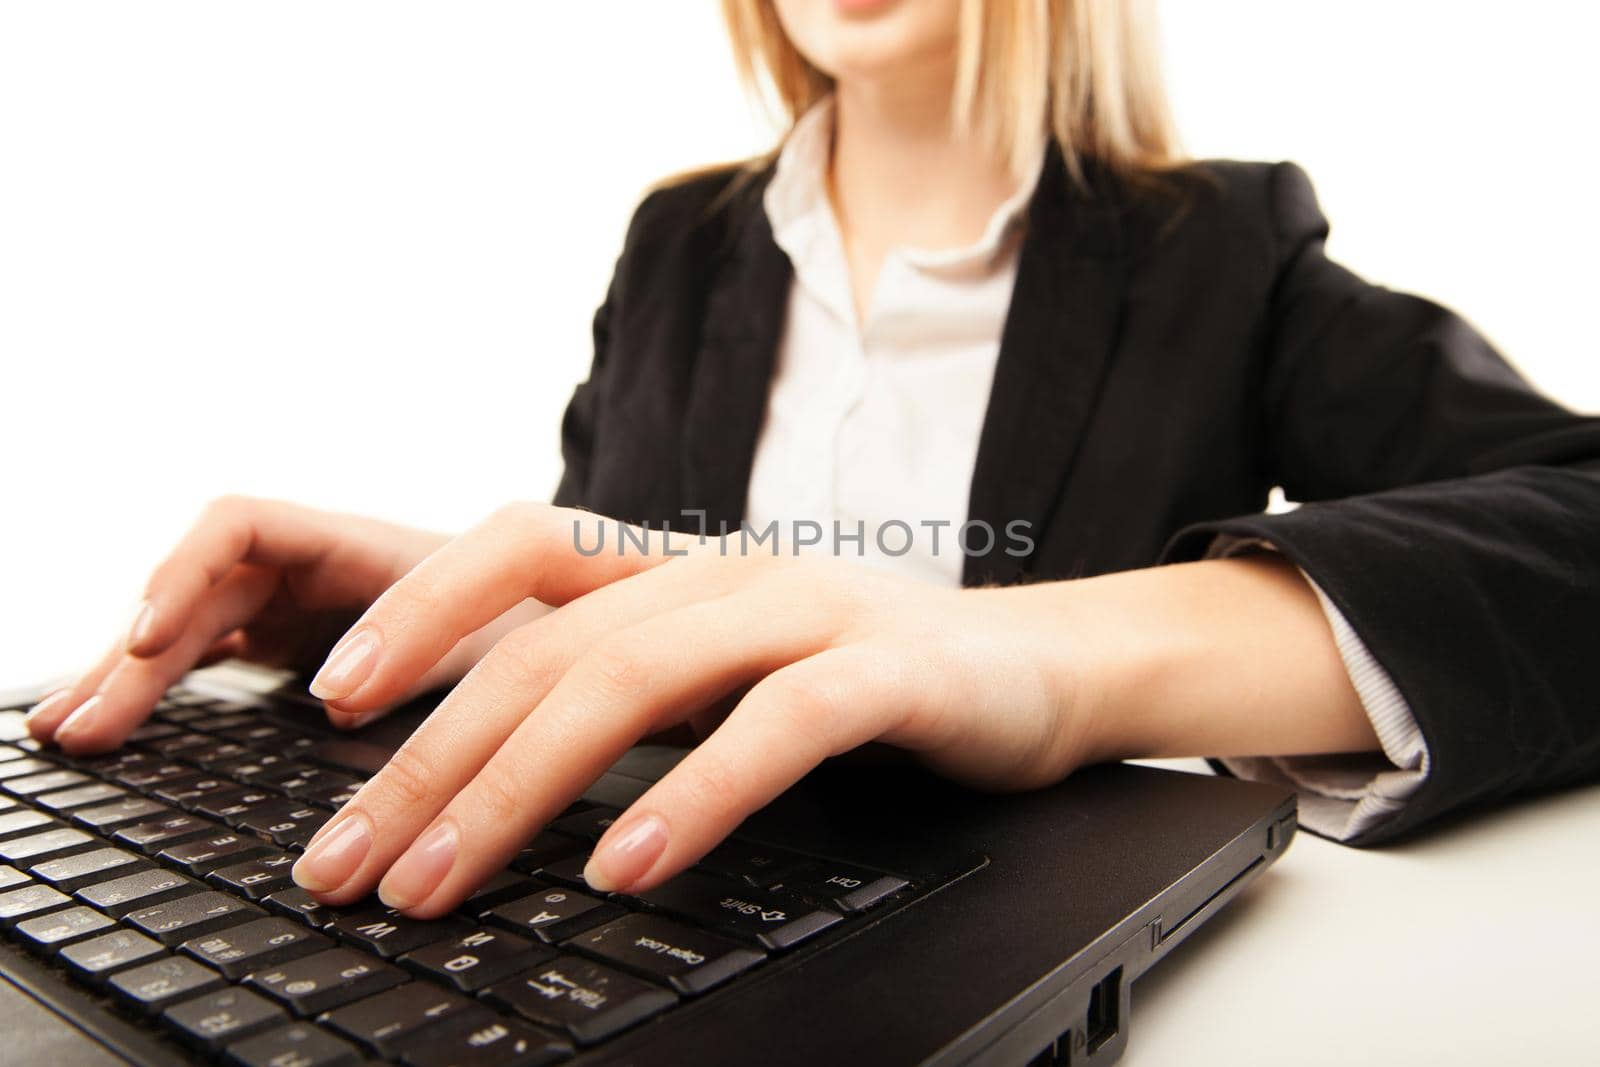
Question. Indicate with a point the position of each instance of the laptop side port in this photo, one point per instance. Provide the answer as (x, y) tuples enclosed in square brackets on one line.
[(1100, 1037), (1104, 1021)]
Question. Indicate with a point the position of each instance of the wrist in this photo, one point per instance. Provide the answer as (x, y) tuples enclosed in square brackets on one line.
[(1217, 658)]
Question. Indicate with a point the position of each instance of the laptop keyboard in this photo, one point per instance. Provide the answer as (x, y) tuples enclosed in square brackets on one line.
[(158, 877)]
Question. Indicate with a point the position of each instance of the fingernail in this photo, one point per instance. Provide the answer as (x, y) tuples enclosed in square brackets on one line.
[(330, 862), (80, 720), (348, 666), (418, 873), (625, 853), (49, 703), (143, 622)]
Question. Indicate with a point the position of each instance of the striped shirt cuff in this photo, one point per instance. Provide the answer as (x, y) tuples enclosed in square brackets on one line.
[(1342, 796)]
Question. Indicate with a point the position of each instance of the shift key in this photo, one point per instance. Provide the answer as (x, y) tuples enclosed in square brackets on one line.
[(749, 914)]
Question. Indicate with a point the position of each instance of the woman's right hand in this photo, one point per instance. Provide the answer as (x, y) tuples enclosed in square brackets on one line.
[(262, 580)]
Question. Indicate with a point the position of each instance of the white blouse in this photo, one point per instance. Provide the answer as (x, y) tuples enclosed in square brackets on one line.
[(872, 428)]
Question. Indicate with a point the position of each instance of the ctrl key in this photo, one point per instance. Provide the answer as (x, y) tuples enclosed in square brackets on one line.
[(504, 1043), (298, 1044), (211, 1021)]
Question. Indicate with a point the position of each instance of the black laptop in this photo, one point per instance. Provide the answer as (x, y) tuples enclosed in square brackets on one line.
[(872, 914)]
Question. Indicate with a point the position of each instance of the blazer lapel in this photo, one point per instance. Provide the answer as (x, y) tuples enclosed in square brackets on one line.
[(745, 305), (1054, 349)]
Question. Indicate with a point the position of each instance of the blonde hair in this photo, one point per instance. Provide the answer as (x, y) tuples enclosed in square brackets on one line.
[(1086, 71)]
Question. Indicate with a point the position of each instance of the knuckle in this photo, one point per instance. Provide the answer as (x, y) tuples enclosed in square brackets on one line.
[(497, 799), (805, 707), (711, 785), (517, 664), (406, 780), (227, 507), (619, 666)]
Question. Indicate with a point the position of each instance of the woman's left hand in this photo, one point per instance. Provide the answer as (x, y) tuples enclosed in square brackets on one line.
[(833, 654)]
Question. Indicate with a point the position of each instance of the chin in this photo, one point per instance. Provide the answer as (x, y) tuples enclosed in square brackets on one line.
[(867, 39)]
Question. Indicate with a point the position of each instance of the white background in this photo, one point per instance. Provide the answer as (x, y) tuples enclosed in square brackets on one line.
[(346, 253)]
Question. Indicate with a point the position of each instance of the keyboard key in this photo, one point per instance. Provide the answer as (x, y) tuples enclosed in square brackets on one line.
[(588, 1001), (204, 855), (759, 865), (255, 878), (10, 877), (739, 910), (588, 825), (219, 721), (241, 950), (249, 768), (49, 932), (24, 822), (219, 752), (46, 845), (152, 731), (689, 960), (311, 779), (552, 914), (19, 904), (49, 781), (847, 887), (191, 916), (147, 775), (387, 1020), (21, 768), (295, 1045), (477, 959), (151, 837), (545, 849), (107, 817), (502, 1043), (301, 906), (326, 980), (81, 796), (215, 1019), (134, 891), (234, 805), (567, 870), (7, 754), (71, 872), (179, 746), (503, 886), (151, 987), (188, 792), (292, 827), (335, 796), (98, 957), (390, 934)]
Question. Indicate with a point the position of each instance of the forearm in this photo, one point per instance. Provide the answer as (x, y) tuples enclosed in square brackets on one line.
[(1217, 658)]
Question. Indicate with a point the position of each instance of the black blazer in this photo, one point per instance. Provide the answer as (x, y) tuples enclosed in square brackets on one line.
[(1170, 355)]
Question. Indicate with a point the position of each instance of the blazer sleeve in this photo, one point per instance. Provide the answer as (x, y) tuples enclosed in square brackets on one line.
[(580, 424), (1450, 512)]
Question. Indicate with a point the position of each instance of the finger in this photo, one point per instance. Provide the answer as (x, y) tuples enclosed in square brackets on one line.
[(627, 685), (45, 717), (232, 530), (469, 726), (522, 551), (134, 684), (822, 706)]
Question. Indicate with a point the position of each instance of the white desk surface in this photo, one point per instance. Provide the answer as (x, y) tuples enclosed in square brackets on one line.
[(1474, 945)]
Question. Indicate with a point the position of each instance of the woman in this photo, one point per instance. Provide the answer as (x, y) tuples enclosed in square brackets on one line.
[(975, 293)]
